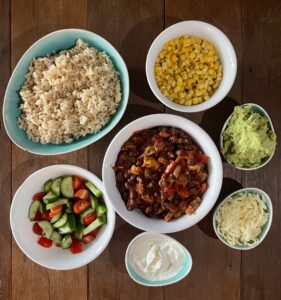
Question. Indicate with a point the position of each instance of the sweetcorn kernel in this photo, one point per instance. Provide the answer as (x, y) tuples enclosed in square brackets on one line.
[(188, 70)]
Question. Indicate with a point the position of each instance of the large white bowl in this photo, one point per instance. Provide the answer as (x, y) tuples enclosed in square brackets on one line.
[(54, 257), (205, 31), (136, 217)]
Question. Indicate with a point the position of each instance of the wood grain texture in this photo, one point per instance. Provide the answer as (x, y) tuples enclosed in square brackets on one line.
[(5, 156), (30, 21), (261, 268)]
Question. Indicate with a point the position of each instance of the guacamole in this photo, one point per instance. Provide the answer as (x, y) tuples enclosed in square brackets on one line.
[(248, 138)]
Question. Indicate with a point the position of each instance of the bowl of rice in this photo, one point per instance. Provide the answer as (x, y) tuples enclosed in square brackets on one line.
[(69, 89), (243, 219)]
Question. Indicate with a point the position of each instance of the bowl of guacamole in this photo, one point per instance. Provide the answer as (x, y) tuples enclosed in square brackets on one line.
[(248, 140)]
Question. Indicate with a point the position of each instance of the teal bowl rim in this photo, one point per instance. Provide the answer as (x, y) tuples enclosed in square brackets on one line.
[(265, 229), (183, 272), (91, 138), (261, 111)]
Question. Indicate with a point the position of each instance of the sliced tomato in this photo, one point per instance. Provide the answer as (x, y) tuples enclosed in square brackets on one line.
[(46, 215), (38, 216), (89, 219), (82, 194), (182, 191), (202, 158), (76, 182), (38, 196), (80, 205), (44, 242), (88, 237), (37, 229), (55, 211), (76, 247)]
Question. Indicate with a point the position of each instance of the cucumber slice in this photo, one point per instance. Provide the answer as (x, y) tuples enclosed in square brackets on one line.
[(47, 186), (56, 218), (66, 187), (41, 208), (72, 222), (34, 206), (85, 213), (47, 228), (56, 237), (94, 202), (65, 229), (101, 210), (60, 201), (50, 197), (69, 205), (79, 231), (66, 242), (94, 225), (55, 187), (61, 222), (93, 189)]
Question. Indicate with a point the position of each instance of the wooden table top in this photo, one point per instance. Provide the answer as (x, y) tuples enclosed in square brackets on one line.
[(254, 27)]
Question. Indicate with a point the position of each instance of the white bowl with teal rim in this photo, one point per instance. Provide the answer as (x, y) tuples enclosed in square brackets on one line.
[(266, 199), (256, 108), (53, 42), (183, 271)]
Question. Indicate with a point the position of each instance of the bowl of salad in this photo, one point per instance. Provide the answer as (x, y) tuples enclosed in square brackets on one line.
[(61, 218)]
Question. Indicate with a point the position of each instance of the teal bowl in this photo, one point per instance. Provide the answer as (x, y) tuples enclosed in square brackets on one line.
[(264, 230), (53, 42)]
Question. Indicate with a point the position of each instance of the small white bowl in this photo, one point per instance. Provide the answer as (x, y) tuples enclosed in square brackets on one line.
[(54, 257), (265, 228), (136, 217), (182, 273), (205, 31), (261, 111)]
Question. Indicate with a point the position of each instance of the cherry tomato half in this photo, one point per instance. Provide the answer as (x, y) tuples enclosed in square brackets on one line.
[(80, 205), (38, 216), (89, 219), (44, 242), (55, 211), (37, 229), (88, 237), (76, 247), (76, 182), (38, 196), (82, 194)]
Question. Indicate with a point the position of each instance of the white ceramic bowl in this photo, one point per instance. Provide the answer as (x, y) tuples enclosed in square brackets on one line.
[(205, 31), (54, 257), (129, 261), (136, 217), (266, 199), (261, 111)]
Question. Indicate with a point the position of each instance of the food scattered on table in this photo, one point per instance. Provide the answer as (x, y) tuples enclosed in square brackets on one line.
[(156, 257), (248, 138), (188, 70), (68, 213), (162, 172), (68, 95), (241, 218)]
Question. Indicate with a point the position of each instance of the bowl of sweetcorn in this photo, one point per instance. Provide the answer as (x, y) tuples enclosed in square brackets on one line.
[(191, 66)]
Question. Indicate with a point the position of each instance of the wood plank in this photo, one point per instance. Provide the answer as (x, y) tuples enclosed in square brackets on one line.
[(261, 268), (216, 268), (30, 21), (130, 28), (6, 165)]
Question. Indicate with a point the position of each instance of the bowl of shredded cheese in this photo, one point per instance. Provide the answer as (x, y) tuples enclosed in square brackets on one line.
[(242, 220)]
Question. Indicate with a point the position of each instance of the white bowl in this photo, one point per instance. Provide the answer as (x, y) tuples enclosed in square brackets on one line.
[(54, 257), (265, 228), (261, 111), (136, 217), (205, 31)]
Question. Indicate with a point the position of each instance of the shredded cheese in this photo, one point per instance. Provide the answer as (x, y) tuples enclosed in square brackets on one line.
[(241, 218)]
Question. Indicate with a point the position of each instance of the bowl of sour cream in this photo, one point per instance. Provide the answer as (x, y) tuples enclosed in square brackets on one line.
[(154, 259)]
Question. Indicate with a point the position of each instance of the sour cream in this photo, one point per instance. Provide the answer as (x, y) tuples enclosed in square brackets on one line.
[(156, 257)]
